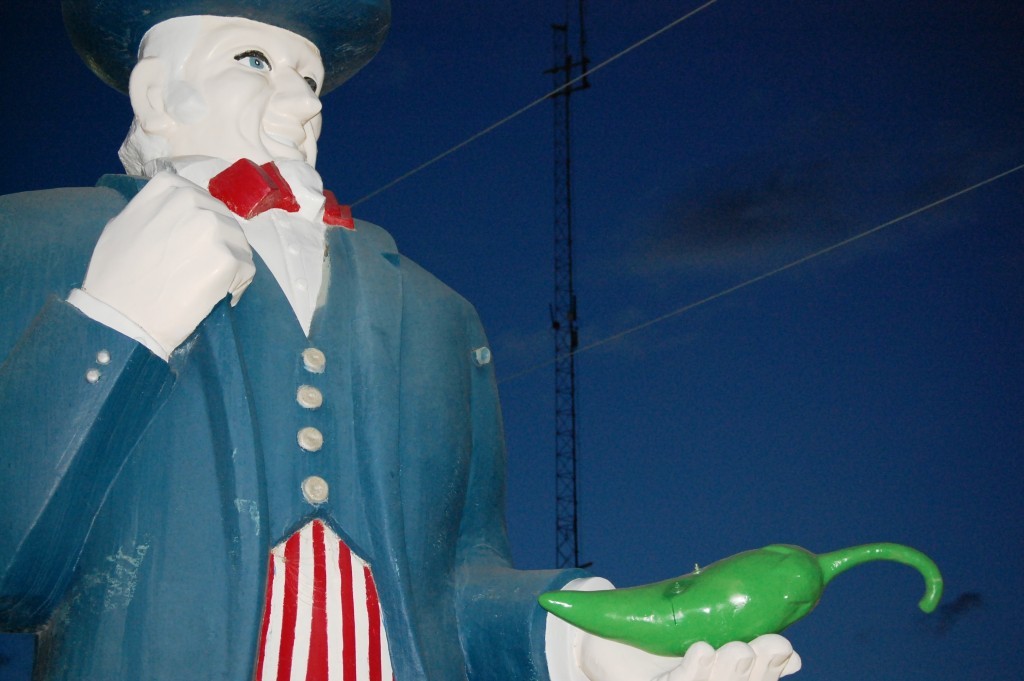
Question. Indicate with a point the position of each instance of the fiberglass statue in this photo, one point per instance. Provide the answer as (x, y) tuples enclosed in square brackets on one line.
[(274, 447)]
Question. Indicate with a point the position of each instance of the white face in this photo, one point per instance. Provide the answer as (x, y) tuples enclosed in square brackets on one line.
[(245, 90)]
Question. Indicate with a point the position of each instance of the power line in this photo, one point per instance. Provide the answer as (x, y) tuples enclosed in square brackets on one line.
[(519, 112), (772, 273)]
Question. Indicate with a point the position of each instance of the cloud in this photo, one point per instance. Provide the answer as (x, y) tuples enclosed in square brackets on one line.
[(761, 212), (951, 613), (732, 215)]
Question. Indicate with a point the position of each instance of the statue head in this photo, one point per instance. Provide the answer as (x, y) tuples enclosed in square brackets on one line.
[(226, 87), (189, 98)]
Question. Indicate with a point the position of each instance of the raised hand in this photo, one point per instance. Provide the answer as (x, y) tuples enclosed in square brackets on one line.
[(171, 255)]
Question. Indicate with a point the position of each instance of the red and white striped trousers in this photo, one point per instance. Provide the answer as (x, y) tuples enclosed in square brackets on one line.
[(322, 619)]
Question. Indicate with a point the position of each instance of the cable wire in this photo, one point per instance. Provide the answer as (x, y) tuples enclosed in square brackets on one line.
[(534, 103), (770, 273)]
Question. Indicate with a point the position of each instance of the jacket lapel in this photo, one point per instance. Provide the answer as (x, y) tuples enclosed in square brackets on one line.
[(239, 460), (368, 270)]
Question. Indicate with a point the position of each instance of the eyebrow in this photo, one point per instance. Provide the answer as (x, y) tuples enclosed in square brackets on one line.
[(259, 54)]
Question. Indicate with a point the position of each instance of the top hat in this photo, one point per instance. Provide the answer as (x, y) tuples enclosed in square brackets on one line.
[(107, 33)]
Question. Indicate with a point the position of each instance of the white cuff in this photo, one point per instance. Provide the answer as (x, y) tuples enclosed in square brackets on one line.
[(562, 640), (99, 311)]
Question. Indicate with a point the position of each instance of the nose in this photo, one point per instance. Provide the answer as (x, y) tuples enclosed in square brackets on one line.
[(294, 96)]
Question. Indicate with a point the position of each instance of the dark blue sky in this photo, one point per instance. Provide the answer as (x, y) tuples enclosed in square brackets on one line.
[(872, 394)]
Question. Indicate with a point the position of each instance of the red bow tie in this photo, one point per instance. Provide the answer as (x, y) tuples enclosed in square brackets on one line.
[(248, 190)]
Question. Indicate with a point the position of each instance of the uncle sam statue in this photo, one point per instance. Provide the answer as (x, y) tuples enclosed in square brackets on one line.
[(273, 444)]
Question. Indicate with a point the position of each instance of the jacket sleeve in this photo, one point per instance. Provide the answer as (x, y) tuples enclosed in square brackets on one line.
[(501, 624), (74, 396)]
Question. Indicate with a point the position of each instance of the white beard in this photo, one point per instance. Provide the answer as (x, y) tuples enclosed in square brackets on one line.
[(139, 147)]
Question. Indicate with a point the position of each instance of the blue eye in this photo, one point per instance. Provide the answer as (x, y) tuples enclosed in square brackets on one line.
[(254, 62), (254, 59)]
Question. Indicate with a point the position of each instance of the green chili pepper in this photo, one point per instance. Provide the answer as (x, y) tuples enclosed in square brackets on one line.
[(735, 599)]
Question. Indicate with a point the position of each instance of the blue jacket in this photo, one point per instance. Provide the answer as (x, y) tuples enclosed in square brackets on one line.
[(137, 511)]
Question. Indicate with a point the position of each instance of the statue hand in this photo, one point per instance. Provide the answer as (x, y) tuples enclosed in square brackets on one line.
[(766, 658), (166, 259)]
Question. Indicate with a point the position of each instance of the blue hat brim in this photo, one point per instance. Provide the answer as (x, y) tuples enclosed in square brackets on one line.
[(348, 33)]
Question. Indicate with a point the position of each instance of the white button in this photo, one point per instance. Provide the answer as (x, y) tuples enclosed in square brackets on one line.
[(300, 284), (293, 249), (311, 439), (482, 356), (314, 360), (309, 397), (92, 375), (314, 489), (103, 357)]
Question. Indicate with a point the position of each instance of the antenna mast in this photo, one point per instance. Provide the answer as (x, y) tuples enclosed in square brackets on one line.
[(563, 307)]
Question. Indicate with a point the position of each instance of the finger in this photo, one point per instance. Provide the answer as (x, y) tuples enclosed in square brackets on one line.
[(219, 259), (793, 665), (605, 660), (205, 201), (174, 187), (733, 662), (164, 183), (773, 653), (696, 664), (172, 195)]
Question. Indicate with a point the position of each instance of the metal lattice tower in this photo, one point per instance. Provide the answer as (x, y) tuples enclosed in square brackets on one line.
[(563, 307)]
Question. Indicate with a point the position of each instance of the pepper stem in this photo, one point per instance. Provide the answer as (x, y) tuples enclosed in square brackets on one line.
[(838, 562)]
